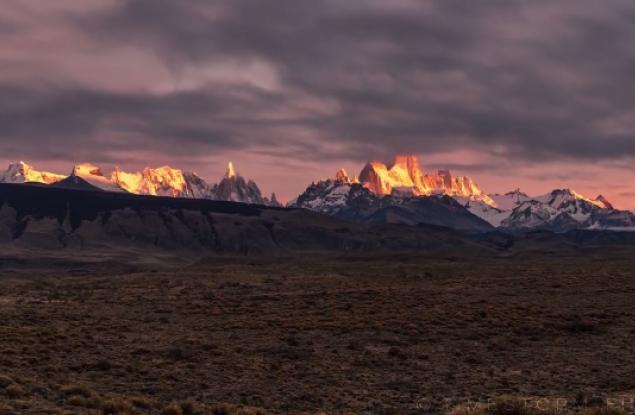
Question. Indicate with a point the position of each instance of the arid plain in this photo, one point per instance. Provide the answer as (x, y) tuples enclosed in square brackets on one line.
[(375, 334)]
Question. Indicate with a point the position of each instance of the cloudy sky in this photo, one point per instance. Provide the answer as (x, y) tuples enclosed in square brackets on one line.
[(537, 94)]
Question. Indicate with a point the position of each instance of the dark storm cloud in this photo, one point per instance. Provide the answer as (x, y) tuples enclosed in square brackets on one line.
[(527, 80), (180, 123)]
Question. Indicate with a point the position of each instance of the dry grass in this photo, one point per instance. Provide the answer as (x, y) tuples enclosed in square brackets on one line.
[(5, 381), (355, 335)]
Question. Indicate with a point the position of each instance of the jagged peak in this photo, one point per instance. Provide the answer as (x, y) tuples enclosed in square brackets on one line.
[(164, 170), (19, 167), (342, 176), (516, 192), (406, 161), (605, 203), (21, 164), (569, 192), (572, 194), (231, 172), (406, 172), (564, 190), (21, 171), (164, 181)]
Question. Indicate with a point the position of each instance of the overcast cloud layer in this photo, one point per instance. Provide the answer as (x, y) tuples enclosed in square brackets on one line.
[(509, 83)]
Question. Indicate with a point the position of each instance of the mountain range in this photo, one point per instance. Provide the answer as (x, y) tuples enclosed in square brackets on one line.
[(161, 181), (50, 219), (398, 193), (402, 193), (59, 222)]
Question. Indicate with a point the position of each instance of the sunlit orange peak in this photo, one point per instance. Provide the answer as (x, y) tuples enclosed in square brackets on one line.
[(406, 174), (29, 174), (342, 177), (230, 170), (162, 181)]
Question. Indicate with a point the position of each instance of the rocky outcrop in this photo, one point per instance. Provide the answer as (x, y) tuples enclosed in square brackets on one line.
[(406, 173)]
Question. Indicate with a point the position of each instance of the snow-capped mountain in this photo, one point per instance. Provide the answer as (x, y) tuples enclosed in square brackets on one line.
[(495, 212), (559, 210), (406, 177), (509, 200), (348, 200), (326, 196), (565, 209), (94, 176), (399, 193), (399, 186), (161, 181), (367, 200), (491, 214), (22, 172)]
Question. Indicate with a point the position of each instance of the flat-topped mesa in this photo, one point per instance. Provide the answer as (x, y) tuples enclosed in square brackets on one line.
[(406, 173)]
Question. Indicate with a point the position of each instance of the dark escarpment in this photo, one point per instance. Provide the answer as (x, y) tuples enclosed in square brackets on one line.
[(46, 218)]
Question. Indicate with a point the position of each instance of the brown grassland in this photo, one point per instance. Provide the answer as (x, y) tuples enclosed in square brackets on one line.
[(372, 334)]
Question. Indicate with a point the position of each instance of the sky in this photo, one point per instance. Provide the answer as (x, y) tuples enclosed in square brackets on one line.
[(536, 94)]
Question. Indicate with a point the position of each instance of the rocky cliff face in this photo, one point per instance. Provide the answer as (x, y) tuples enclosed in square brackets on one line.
[(406, 173), (99, 221), (234, 188), (162, 181)]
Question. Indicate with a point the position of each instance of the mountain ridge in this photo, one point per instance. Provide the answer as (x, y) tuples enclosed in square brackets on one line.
[(381, 193), (160, 181), (84, 220), (405, 173), (560, 210), (354, 202)]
